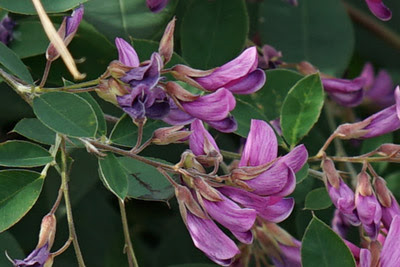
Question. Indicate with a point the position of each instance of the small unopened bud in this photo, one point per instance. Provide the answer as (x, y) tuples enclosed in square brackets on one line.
[(117, 69), (166, 47), (353, 130), (306, 68), (330, 172), (169, 135), (382, 192), (375, 248), (363, 184), (180, 93), (47, 231), (389, 150), (249, 172)]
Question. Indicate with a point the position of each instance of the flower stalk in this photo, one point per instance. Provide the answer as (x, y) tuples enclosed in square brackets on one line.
[(128, 243)]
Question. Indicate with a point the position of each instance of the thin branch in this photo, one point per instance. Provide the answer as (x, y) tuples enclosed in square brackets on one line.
[(128, 243), (45, 73)]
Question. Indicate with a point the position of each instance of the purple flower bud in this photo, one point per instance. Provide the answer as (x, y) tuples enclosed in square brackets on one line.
[(37, 258), (6, 30), (200, 141), (368, 208), (239, 76), (156, 5), (379, 9), (166, 48), (348, 93), (390, 254), (67, 31), (126, 53)]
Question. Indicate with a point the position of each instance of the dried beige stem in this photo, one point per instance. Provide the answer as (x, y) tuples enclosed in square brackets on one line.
[(56, 40)]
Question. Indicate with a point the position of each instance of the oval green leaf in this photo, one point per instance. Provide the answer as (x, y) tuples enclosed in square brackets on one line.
[(12, 63), (32, 33), (23, 154), (145, 182), (317, 199), (213, 32), (321, 246), (113, 175), (317, 31), (33, 129), (51, 6), (66, 113), (19, 190), (102, 125), (301, 108), (302, 173)]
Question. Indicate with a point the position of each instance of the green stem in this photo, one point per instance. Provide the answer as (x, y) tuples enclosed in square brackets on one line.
[(374, 26), (68, 206), (230, 155), (45, 73), (130, 253), (73, 86)]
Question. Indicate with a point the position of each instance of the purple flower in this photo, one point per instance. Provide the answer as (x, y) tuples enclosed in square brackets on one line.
[(67, 31), (270, 58), (348, 93), (200, 141), (37, 258), (290, 256), (156, 5), (126, 53), (390, 254), (379, 89), (340, 223), (368, 208), (379, 9), (262, 148), (240, 75), (6, 30), (340, 193)]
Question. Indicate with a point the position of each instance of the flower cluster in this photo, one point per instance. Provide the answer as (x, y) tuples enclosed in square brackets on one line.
[(6, 30), (142, 92), (257, 186)]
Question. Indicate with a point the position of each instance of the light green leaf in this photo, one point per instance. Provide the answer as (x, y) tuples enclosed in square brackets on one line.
[(66, 113), (125, 131), (23, 154), (33, 129), (318, 199), (301, 108), (321, 246), (12, 63), (114, 176), (213, 32), (19, 190), (126, 18), (145, 182), (51, 6), (316, 31)]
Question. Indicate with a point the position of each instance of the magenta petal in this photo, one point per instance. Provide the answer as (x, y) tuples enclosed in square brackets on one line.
[(156, 5), (345, 92), (212, 107), (177, 116), (238, 67), (248, 84), (370, 214), (383, 122), (397, 98), (244, 237), (381, 87), (368, 74), (279, 180), (350, 99), (278, 212), (379, 9), (365, 258), (388, 213), (211, 240), (227, 125), (296, 158), (390, 254), (73, 21), (197, 138), (126, 53), (261, 145)]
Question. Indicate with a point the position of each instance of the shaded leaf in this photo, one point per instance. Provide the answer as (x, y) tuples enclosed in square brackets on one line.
[(102, 125), (23, 154), (9, 244), (19, 190), (51, 6), (301, 108), (213, 32), (34, 129), (321, 246), (32, 33), (66, 113), (113, 175), (302, 173), (12, 63), (317, 199)]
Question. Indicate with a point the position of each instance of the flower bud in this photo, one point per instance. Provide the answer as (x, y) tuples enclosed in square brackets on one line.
[(110, 89), (180, 93), (382, 192), (169, 135), (389, 150), (206, 191), (186, 201), (353, 130), (166, 48), (47, 231), (330, 172)]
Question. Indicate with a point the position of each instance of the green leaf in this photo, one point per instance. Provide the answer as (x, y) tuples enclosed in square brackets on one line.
[(302, 173), (145, 182), (317, 31), (102, 125), (32, 33), (125, 18), (301, 108), (19, 190), (51, 6), (66, 113), (35, 130), (23, 154), (317, 199), (12, 63), (270, 98), (194, 265), (213, 32), (10, 244), (321, 246), (114, 176), (125, 131)]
